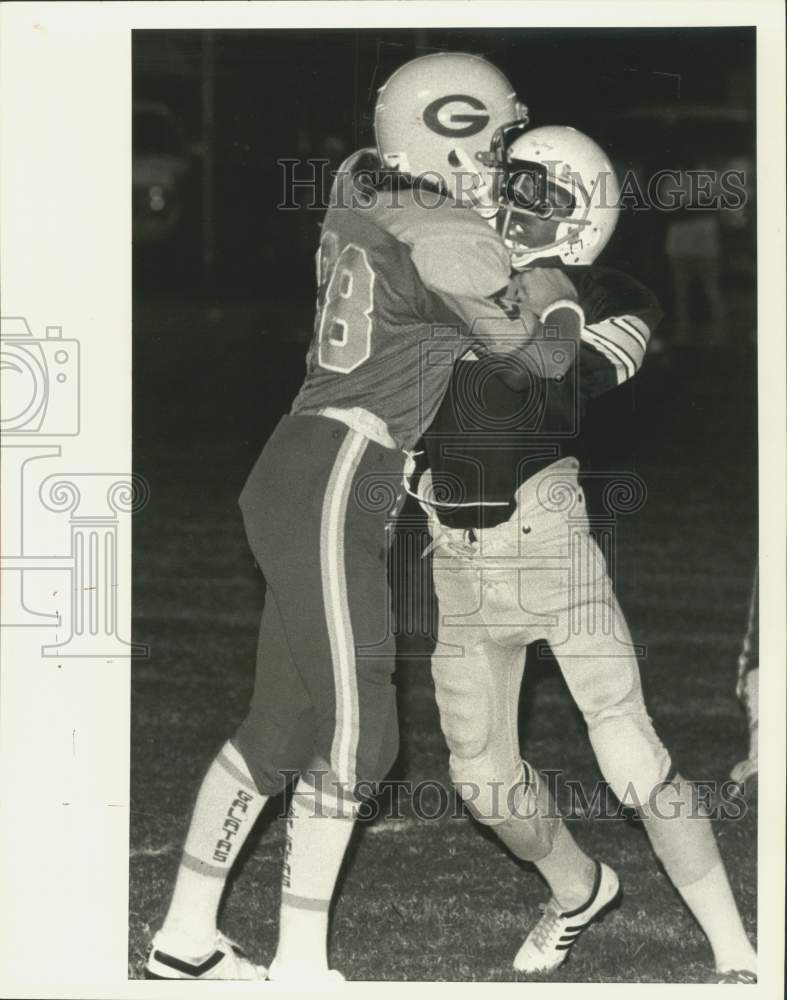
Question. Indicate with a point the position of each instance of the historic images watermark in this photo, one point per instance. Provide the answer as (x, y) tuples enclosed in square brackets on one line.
[(41, 403), (314, 185), (431, 800)]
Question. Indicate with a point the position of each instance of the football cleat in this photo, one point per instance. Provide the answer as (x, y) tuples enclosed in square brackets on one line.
[(547, 945), (730, 976), (226, 961)]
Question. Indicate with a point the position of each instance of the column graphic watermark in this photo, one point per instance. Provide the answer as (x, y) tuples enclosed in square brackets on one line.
[(41, 405)]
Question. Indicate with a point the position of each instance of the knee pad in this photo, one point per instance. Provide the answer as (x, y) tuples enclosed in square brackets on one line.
[(478, 768), (530, 831), (488, 792), (638, 768), (497, 787), (680, 833), (517, 807), (632, 758), (465, 708)]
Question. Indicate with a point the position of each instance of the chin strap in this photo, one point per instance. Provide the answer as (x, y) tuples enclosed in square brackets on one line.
[(481, 194)]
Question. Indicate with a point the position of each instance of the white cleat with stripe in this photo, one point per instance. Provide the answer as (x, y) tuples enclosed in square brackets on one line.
[(226, 961), (549, 942)]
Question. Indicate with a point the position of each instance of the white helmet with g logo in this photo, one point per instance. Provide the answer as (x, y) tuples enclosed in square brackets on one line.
[(555, 174), (436, 116)]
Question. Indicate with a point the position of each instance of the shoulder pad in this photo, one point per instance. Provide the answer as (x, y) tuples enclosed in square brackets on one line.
[(453, 249), (422, 215), (343, 192)]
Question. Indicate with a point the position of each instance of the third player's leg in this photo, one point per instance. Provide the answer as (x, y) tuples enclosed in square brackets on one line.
[(605, 683)]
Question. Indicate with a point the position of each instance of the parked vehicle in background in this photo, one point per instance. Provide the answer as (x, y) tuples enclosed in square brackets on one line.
[(161, 166)]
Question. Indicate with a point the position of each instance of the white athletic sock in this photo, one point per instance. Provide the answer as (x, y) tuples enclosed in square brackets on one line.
[(227, 805), (711, 901), (682, 837), (319, 826), (568, 871)]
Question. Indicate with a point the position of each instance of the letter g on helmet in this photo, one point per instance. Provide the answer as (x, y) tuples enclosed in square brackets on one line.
[(438, 113)]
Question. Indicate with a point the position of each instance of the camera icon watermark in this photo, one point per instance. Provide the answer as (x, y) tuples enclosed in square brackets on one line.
[(41, 403), (40, 381)]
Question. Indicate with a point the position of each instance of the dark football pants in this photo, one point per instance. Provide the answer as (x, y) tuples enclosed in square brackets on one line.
[(317, 508)]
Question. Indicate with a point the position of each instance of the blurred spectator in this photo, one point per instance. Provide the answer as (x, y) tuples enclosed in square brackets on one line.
[(693, 247)]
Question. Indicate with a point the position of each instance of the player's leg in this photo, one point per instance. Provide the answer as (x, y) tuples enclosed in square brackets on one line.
[(356, 743), (275, 738), (747, 688), (477, 686), (483, 619), (326, 558), (606, 687), (498, 788), (229, 802), (477, 694)]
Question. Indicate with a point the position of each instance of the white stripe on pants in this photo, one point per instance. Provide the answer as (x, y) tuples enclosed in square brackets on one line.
[(337, 611)]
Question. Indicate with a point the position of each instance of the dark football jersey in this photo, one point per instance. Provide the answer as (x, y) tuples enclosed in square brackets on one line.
[(403, 277), (487, 439)]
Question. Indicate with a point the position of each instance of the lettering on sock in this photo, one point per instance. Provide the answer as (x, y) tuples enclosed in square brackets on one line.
[(232, 824)]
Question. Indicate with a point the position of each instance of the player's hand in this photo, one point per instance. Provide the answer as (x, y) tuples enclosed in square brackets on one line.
[(549, 355), (539, 287)]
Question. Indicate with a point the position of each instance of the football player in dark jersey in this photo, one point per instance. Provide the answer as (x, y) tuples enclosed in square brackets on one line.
[(409, 273), (514, 562)]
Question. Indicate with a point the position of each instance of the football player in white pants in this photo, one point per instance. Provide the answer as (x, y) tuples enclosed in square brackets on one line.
[(747, 688), (514, 562)]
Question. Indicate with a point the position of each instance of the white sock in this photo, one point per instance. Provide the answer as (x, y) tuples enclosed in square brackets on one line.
[(683, 840), (711, 901), (227, 805), (319, 826)]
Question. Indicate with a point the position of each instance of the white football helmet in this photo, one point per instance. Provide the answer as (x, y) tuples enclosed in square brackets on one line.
[(555, 174), (435, 119)]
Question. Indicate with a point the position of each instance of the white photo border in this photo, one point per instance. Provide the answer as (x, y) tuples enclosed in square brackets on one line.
[(65, 239)]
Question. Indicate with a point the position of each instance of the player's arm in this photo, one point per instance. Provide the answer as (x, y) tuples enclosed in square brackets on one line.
[(550, 295), (472, 277), (621, 315)]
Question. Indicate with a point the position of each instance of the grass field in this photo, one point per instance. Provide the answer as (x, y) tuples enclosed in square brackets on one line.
[(436, 900)]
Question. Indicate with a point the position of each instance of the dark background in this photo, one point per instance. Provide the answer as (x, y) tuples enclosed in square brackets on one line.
[(655, 98), (223, 296)]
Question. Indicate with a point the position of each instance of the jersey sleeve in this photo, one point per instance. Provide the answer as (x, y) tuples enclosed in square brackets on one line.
[(462, 262), (621, 314), (467, 266)]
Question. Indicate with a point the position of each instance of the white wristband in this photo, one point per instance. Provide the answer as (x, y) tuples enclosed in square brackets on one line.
[(564, 304)]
